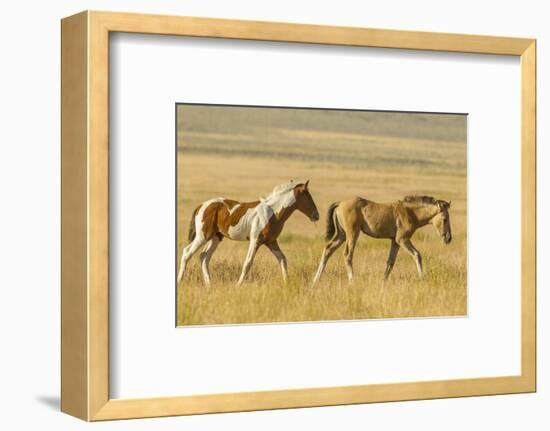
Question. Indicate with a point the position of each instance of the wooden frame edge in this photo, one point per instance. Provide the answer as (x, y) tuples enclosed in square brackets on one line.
[(74, 222), (309, 33), (301, 398), (84, 208), (529, 214)]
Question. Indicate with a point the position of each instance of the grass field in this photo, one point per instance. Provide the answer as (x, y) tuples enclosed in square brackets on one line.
[(241, 153)]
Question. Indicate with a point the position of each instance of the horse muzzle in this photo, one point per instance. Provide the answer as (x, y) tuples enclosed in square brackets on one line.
[(314, 216), (447, 238)]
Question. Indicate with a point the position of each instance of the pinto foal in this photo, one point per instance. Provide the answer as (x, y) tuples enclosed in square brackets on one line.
[(259, 222)]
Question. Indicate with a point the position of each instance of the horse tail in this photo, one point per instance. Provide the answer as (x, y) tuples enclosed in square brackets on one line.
[(192, 231), (332, 222)]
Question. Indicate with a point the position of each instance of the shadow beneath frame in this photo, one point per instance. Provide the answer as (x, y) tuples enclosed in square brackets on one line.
[(50, 401)]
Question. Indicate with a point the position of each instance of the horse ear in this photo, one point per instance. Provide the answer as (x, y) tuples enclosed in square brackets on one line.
[(444, 205), (305, 186)]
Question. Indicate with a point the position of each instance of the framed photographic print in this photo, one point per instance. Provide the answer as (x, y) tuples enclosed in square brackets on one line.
[(266, 215), (396, 155)]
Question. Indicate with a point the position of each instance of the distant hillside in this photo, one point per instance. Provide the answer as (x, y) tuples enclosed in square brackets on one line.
[(375, 139)]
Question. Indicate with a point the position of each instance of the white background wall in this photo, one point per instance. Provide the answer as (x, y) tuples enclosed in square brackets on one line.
[(29, 213)]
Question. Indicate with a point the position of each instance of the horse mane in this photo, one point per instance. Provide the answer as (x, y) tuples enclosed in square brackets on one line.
[(280, 189), (420, 199)]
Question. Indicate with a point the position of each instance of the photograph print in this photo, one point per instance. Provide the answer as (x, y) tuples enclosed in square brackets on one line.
[(307, 214)]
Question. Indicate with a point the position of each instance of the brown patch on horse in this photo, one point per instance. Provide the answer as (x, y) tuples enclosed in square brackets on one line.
[(217, 218), (275, 225), (271, 231), (230, 203), (225, 219), (209, 216)]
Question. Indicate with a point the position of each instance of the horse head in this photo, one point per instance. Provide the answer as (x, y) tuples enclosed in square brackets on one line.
[(442, 221), (304, 201)]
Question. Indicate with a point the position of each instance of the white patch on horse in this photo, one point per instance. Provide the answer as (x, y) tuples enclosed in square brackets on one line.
[(281, 200), (281, 197), (241, 231), (256, 219), (263, 214), (232, 210)]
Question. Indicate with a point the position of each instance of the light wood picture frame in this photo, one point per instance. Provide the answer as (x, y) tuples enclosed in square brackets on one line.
[(85, 215)]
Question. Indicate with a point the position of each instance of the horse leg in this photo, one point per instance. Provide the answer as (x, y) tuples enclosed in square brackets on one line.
[(348, 253), (281, 258), (188, 253), (329, 250), (252, 249), (206, 256), (394, 248), (409, 247)]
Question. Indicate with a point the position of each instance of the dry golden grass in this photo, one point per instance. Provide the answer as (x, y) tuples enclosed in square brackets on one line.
[(243, 174)]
